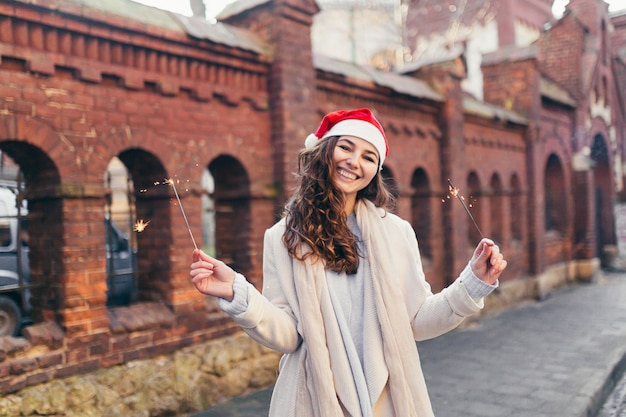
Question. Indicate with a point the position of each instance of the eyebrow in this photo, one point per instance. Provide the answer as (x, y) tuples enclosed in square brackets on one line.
[(375, 154)]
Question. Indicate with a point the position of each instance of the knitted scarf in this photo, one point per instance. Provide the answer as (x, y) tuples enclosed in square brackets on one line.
[(328, 377)]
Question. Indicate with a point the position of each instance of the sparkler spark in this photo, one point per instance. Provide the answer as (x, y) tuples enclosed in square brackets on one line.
[(141, 225), (455, 192), (171, 182)]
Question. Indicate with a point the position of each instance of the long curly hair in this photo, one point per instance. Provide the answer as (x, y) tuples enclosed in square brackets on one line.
[(315, 213)]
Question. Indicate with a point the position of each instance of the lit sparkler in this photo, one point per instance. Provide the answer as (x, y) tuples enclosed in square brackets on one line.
[(171, 182), (455, 192), (141, 225)]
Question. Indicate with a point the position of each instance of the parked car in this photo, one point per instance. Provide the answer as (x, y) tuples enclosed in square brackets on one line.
[(15, 283), (121, 266), (14, 264)]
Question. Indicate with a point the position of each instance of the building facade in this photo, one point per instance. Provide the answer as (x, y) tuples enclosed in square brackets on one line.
[(84, 83)]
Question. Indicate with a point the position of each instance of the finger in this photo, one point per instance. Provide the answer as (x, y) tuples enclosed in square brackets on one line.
[(498, 268), (496, 256), (201, 276), (202, 264), (198, 271), (482, 251), (199, 255)]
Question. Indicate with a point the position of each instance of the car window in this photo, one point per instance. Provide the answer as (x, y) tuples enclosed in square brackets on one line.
[(5, 226)]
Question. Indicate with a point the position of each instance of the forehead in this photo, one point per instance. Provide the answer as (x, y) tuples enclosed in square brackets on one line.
[(359, 142)]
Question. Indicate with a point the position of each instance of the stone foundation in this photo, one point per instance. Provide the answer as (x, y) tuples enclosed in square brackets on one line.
[(189, 380)]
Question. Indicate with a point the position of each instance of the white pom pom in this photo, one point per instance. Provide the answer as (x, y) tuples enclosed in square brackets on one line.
[(310, 141)]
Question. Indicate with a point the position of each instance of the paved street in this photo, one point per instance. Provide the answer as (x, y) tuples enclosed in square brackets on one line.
[(560, 357), (615, 406)]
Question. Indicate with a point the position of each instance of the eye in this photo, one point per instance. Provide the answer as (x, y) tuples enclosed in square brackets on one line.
[(344, 147), (369, 158)]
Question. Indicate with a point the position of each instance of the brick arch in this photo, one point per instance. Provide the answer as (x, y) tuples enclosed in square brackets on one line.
[(555, 200), (555, 146), (604, 228), (473, 200), (516, 208), (153, 199), (496, 206), (58, 150), (598, 132), (556, 211), (118, 141), (426, 213), (598, 127), (232, 212), (46, 228), (421, 211)]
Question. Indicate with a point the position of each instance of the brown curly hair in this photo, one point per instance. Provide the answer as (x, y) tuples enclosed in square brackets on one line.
[(315, 213)]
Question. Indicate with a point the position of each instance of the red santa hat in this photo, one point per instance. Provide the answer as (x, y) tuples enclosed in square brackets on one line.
[(360, 123)]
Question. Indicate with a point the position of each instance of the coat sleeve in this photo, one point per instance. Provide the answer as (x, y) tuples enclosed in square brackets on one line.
[(435, 314), (269, 318)]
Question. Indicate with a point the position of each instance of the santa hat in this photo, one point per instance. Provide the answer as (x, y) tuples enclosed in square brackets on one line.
[(360, 123)]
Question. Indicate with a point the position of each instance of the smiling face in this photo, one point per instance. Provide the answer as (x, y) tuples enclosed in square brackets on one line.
[(356, 164)]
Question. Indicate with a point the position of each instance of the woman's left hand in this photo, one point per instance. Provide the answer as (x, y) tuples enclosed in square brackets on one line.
[(487, 263)]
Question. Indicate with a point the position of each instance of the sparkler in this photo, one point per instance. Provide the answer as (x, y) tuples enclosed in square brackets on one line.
[(171, 182), (140, 226), (455, 192)]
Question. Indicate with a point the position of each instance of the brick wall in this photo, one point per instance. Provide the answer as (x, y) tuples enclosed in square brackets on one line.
[(564, 43), (78, 91)]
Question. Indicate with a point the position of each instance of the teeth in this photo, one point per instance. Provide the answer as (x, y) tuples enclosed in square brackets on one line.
[(347, 174)]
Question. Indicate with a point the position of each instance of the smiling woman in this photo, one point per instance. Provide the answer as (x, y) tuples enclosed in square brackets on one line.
[(344, 294)]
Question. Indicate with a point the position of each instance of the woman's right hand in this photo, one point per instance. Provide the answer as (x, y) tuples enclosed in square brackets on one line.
[(211, 276)]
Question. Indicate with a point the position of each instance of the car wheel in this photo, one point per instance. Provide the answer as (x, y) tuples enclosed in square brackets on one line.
[(10, 317)]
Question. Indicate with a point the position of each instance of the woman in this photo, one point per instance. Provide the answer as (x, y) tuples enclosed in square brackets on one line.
[(344, 294)]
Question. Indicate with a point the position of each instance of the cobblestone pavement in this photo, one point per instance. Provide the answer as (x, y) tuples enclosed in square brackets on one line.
[(560, 357), (615, 406)]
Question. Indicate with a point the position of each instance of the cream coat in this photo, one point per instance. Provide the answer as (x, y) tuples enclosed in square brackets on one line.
[(274, 319)]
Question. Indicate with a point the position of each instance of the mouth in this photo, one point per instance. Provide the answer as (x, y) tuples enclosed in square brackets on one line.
[(347, 174)]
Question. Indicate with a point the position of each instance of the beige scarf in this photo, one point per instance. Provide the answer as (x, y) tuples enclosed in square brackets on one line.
[(328, 376)]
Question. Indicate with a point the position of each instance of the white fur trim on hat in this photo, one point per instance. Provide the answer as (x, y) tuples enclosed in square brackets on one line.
[(310, 141)]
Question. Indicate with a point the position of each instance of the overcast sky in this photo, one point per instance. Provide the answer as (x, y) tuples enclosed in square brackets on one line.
[(215, 6)]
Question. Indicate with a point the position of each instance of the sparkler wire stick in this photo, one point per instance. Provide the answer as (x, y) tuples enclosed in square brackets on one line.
[(171, 181), (455, 192)]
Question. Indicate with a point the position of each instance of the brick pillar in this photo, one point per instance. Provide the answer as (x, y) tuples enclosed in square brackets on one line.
[(286, 25), (68, 249), (182, 296), (446, 78), (453, 167), (292, 86), (536, 201)]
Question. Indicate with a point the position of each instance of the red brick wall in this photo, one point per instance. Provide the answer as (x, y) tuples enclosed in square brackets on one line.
[(500, 151), (564, 43), (77, 92), (512, 85)]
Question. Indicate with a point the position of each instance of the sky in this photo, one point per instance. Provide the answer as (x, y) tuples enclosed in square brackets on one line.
[(215, 6)]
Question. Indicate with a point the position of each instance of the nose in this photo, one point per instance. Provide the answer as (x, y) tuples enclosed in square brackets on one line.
[(353, 160)]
